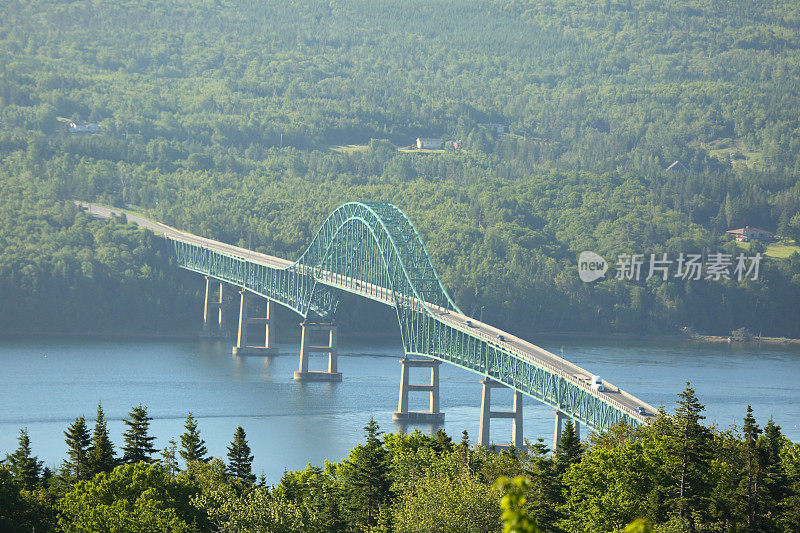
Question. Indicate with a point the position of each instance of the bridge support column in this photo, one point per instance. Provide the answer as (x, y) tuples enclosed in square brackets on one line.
[(432, 415), (242, 347), (304, 374), (558, 428), (487, 415), (212, 309)]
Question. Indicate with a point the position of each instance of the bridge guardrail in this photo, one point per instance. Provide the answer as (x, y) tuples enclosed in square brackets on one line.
[(413, 302), (525, 355), (559, 372), (328, 277), (381, 293)]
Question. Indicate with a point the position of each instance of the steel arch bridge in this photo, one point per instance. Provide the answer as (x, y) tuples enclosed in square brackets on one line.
[(373, 250)]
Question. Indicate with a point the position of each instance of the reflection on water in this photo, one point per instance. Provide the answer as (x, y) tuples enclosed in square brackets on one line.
[(46, 384)]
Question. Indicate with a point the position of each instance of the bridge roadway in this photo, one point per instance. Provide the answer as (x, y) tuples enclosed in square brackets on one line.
[(539, 356)]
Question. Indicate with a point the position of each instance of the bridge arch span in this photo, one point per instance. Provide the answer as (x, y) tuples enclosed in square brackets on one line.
[(373, 250)]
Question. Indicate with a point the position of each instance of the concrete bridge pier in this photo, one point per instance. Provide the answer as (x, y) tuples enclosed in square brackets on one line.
[(242, 347), (487, 415), (432, 415), (558, 429), (212, 309), (304, 374)]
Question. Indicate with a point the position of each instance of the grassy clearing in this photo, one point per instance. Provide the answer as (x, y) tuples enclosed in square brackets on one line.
[(733, 150), (350, 148), (777, 250), (419, 151)]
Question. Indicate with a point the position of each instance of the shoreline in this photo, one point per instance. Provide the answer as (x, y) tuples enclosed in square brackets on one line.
[(668, 338), (752, 340)]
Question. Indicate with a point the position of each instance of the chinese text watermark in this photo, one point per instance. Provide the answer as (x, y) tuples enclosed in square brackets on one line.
[(716, 266)]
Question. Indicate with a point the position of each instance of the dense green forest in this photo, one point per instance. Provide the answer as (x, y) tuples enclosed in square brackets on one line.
[(235, 120), (677, 475)]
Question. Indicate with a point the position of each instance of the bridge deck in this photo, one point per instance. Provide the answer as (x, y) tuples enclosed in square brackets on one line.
[(539, 356)]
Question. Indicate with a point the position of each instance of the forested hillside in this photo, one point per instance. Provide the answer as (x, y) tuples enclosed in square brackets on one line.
[(235, 120)]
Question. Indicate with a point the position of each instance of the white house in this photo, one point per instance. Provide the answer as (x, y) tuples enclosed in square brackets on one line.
[(430, 144), (747, 234), (89, 127)]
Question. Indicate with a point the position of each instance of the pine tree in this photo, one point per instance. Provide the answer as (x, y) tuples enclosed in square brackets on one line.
[(544, 495), (464, 449), (77, 438), (138, 444), (442, 442), (46, 477), (569, 449), (776, 481), (690, 448), (192, 446), (752, 470), (101, 452), (25, 468), (241, 462), (366, 478), (169, 457)]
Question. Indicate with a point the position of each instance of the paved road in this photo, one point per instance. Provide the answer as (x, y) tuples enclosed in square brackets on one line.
[(521, 347), (156, 227)]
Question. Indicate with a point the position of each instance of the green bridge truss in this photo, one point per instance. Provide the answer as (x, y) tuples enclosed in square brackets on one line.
[(373, 250)]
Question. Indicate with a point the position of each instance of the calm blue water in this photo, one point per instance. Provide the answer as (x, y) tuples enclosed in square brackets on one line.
[(46, 384)]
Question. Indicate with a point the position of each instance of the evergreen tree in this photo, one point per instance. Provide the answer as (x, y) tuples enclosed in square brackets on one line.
[(240, 463), (192, 446), (442, 442), (752, 471), (46, 477), (776, 482), (26, 468), (569, 449), (138, 444), (790, 512), (100, 457), (77, 438), (366, 478), (690, 449), (169, 457), (544, 494), (464, 449)]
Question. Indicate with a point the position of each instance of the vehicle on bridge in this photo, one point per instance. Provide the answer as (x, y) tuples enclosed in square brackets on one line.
[(597, 383)]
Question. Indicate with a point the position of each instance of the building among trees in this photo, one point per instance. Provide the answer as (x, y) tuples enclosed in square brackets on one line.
[(746, 234), (88, 127), (430, 144)]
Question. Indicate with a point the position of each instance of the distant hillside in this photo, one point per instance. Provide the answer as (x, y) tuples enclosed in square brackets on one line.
[(219, 116)]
